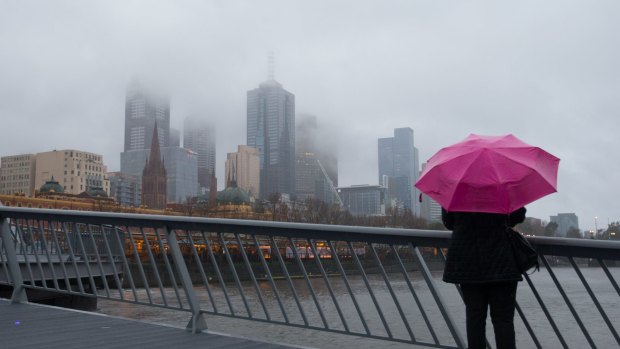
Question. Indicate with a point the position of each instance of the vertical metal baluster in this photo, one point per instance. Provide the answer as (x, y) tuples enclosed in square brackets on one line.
[(529, 328), (154, 267), (35, 253), (218, 273), (19, 234), (197, 322), (18, 244), (47, 254), (568, 303), (50, 253), (76, 270), (609, 276), (386, 279), (99, 262), (334, 253), (38, 260), (308, 283), (428, 278), (60, 253), (145, 281), (173, 279), (288, 279), (545, 310), (86, 258), (203, 274), (594, 299), (4, 262), (8, 241), (106, 244), (121, 244), (317, 258), (253, 277), (370, 291), (415, 295), (171, 273), (270, 277), (234, 273)]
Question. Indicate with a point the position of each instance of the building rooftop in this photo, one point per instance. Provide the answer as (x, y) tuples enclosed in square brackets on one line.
[(52, 186)]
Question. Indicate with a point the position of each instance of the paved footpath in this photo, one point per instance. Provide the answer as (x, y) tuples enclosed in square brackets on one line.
[(29, 325)]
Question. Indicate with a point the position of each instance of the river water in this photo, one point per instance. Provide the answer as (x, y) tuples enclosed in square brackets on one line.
[(561, 314)]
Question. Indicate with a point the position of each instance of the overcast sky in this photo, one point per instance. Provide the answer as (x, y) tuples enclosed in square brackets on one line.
[(546, 71)]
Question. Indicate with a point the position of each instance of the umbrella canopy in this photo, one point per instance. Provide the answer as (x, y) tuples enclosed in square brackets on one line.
[(494, 174)]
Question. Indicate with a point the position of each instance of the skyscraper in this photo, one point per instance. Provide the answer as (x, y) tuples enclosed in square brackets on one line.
[(146, 109), (182, 173), (271, 129), (398, 160), (565, 222), (316, 162), (143, 108), (199, 136)]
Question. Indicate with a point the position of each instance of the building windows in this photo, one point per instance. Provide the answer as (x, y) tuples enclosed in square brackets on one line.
[(138, 108), (136, 137)]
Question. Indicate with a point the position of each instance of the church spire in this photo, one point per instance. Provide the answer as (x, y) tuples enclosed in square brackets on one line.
[(154, 180), (155, 154)]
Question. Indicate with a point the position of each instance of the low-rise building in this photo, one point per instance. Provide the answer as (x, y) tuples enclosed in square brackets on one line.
[(244, 168), (125, 189), (75, 170), (364, 200), (17, 174)]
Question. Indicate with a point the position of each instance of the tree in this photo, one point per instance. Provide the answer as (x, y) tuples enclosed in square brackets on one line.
[(551, 228), (573, 232), (274, 200), (311, 212), (612, 232), (188, 206), (531, 227), (436, 226)]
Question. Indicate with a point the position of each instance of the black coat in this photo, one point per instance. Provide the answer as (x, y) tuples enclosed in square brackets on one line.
[(479, 250)]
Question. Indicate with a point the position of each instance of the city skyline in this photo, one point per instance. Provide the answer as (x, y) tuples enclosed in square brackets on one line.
[(545, 72)]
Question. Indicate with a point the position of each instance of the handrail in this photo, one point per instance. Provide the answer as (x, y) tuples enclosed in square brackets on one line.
[(208, 266)]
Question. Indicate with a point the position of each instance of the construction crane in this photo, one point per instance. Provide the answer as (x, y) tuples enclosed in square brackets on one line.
[(331, 184)]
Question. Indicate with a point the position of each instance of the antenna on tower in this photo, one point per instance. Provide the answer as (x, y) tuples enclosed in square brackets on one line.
[(272, 66)]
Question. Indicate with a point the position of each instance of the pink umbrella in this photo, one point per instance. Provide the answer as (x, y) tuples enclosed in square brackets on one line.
[(495, 174)]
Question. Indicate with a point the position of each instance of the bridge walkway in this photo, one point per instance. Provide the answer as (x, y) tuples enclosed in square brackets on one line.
[(29, 325)]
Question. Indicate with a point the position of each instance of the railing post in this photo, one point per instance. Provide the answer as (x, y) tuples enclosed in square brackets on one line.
[(426, 273), (197, 322), (19, 292)]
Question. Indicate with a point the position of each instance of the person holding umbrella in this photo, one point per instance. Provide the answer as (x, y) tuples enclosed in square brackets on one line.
[(483, 184)]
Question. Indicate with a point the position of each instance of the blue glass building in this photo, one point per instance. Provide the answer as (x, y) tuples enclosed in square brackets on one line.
[(399, 163), (271, 129)]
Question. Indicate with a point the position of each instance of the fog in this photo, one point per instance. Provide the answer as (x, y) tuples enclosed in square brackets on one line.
[(544, 71)]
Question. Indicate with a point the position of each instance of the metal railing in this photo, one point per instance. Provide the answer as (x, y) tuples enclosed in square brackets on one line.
[(371, 282)]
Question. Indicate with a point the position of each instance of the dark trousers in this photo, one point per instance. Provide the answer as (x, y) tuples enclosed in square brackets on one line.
[(501, 298)]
